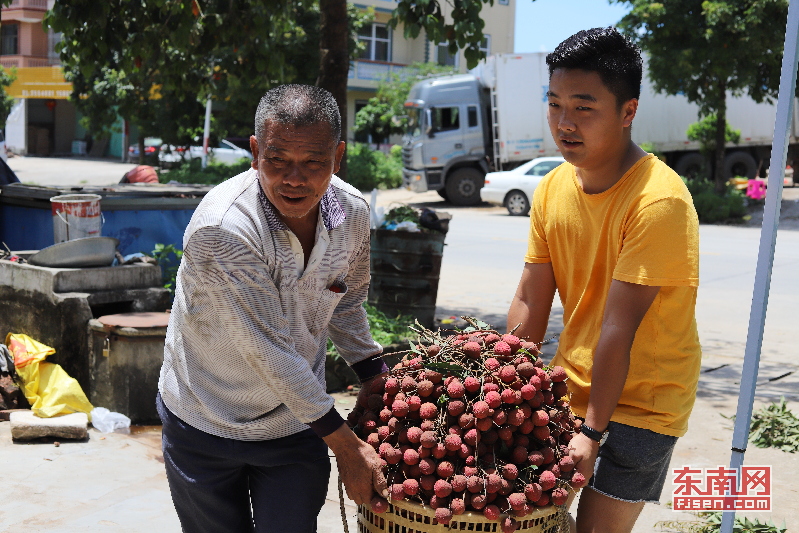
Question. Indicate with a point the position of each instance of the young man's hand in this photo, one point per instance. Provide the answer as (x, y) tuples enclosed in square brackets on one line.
[(359, 465), (583, 452)]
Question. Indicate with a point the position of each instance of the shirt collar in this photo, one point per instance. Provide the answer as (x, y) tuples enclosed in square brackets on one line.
[(333, 214)]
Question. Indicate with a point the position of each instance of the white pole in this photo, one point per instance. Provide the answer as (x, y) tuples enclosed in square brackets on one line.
[(765, 256), (207, 130)]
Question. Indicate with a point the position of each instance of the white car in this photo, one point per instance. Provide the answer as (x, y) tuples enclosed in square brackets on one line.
[(513, 189), (226, 152)]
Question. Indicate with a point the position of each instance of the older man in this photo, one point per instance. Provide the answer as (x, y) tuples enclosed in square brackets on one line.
[(275, 259)]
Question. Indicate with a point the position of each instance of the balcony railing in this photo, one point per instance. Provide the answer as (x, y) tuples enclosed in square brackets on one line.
[(24, 61), (28, 4), (377, 70)]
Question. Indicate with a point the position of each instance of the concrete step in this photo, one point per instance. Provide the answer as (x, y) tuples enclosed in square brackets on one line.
[(25, 425)]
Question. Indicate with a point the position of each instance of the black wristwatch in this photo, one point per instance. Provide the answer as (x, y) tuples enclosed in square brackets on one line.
[(591, 433)]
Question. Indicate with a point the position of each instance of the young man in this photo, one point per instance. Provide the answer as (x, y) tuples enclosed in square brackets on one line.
[(614, 230), (275, 259)]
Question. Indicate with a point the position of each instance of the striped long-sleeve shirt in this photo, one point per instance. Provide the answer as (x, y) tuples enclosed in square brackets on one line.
[(245, 349)]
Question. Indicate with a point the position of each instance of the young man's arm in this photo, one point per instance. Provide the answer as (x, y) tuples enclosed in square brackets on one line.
[(626, 306), (533, 302)]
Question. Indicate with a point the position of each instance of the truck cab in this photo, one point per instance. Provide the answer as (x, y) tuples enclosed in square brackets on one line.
[(445, 148)]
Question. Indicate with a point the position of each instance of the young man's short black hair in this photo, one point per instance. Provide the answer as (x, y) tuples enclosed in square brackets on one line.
[(608, 53)]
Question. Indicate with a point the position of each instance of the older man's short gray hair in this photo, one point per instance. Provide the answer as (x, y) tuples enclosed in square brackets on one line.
[(298, 105)]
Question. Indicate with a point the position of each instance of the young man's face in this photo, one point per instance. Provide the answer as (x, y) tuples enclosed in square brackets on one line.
[(585, 119), (294, 165)]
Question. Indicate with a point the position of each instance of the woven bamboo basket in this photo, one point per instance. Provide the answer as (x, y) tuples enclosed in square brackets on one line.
[(409, 517)]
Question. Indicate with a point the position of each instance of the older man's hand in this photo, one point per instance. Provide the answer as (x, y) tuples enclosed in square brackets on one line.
[(358, 464)]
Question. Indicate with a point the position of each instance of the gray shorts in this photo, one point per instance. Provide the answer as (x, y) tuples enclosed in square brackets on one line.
[(632, 464)]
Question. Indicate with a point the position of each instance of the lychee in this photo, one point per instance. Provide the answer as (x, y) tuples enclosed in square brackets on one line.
[(455, 407), (399, 408), (445, 469), (559, 496), (443, 515), (457, 506), (509, 525), (578, 479), (414, 435), (392, 386), (510, 471), (507, 373), (452, 443), (472, 384), (474, 484), (455, 389), (546, 480), (557, 373), (379, 505), (442, 488), (410, 457), (411, 487), (493, 399), (424, 388), (397, 491), (493, 483), (517, 500), (491, 512), (502, 349), (532, 491), (458, 482), (428, 410), (471, 349), (512, 341)]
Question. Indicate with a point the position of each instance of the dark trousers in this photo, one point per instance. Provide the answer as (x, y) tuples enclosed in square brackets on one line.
[(215, 482)]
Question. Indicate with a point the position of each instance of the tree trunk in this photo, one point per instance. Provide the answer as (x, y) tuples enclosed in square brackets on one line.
[(335, 61), (721, 139), (141, 147)]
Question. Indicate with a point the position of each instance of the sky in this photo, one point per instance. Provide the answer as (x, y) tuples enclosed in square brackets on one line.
[(542, 24)]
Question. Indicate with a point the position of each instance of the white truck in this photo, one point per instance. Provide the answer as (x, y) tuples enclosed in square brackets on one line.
[(494, 118)]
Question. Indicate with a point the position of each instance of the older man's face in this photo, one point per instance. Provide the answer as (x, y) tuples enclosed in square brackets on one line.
[(294, 165)]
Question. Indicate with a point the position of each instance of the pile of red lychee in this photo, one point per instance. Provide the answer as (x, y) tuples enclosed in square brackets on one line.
[(471, 422)]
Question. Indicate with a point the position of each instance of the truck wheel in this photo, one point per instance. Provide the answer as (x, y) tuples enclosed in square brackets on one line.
[(463, 186), (517, 203), (740, 164), (691, 165), (443, 194)]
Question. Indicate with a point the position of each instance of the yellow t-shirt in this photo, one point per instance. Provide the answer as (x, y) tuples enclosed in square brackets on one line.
[(642, 230)]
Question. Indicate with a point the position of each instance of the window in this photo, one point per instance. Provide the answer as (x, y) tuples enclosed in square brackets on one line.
[(485, 45), (445, 118), (377, 38), (9, 41), (444, 58), (472, 112), (543, 168), (503, 2), (361, 136), (52, 41)]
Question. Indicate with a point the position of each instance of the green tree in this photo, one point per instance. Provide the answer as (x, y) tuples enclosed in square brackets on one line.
[(384, 114), (7, 77), (461, 28), (704, 132), (707, 49), (155, 63)]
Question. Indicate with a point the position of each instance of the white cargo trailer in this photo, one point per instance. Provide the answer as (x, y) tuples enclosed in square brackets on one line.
[(494, 118)]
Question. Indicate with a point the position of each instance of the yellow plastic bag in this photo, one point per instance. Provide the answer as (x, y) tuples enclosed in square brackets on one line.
[(48, 388)]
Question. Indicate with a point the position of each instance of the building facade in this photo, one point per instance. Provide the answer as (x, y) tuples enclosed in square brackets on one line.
[(45, 122), (388, 51)]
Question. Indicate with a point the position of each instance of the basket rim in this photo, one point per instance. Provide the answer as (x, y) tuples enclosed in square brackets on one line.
[(470, 516)]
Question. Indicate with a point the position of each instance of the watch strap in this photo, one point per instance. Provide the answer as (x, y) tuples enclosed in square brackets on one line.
[(591, 433)]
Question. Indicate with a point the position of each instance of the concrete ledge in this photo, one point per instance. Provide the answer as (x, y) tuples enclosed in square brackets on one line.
[(26, 426)]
